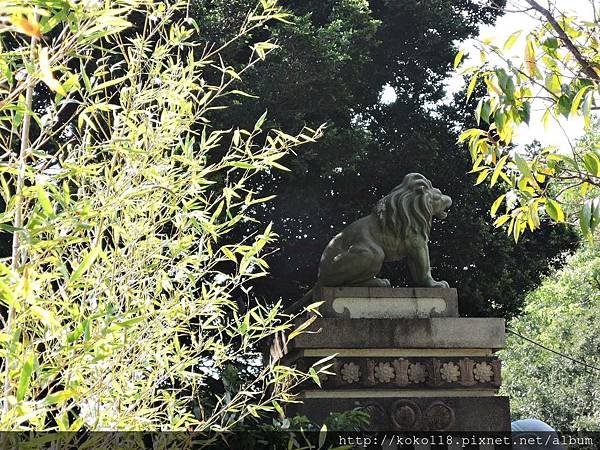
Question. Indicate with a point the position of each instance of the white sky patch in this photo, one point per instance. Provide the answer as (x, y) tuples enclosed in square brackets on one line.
[(561, 134), (388, 95)]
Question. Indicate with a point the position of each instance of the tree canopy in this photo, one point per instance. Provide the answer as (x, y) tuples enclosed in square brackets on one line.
[(563, 315)]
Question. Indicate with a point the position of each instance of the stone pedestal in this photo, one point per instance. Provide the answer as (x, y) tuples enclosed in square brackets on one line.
[(405, 355)]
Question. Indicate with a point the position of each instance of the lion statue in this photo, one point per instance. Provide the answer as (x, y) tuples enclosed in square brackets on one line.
[(397, 227)]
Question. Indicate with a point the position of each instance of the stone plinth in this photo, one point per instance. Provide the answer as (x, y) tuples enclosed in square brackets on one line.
[(386, 303), (406, 355)]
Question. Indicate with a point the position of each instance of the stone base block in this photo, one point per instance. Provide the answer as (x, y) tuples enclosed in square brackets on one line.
[(440, 332), (458, 414)]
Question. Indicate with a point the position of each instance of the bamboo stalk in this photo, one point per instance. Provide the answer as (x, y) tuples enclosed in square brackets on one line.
[(17, 253)]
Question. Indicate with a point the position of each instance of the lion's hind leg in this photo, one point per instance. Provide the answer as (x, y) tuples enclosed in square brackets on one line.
[(356, 266)]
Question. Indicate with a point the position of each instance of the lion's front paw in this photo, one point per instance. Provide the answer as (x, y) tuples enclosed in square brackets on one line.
[(437, 284), (385, 282)]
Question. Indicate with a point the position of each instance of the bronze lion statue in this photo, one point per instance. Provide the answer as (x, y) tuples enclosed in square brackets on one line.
[(397, 227)]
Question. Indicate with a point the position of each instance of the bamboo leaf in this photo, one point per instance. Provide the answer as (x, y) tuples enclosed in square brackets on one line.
[(261, 200), (25, 376), (110, 83), (279, 166), (86, 263), (242, 93), (261, 120), (44, 200), (28, 26), (322, 435), (6, 295), (47, 317), (130, 322), (58, 397), (300, 329), (47, 75)]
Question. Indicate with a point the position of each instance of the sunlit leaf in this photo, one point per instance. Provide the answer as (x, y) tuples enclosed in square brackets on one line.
[(28, 26), (512, 39), (86, 263), (592, 163), (499, 167), (458, 58), (25, 375), (44, 200), (578, 98), (554, 210), (496, 205), (585, 218), (472, 84), (47, 75), (530, 59), (482, 176)]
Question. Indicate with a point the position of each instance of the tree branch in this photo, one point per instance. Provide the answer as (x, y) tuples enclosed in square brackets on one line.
[(585, 65)]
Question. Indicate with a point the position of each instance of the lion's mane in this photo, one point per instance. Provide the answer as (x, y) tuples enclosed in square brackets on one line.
[(406, 209)]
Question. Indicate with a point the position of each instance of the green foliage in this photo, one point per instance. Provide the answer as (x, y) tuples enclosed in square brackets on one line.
[(562, 314), (300, 432), (121, 297), (557, 70), (354, 420)]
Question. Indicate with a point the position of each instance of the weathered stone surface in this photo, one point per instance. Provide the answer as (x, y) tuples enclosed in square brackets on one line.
[(441, 332), (418, 413), (386, 303)]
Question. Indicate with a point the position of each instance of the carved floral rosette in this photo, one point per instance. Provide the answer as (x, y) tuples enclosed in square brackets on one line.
[(412, 372)]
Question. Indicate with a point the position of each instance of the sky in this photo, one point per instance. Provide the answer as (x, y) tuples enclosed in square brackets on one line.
[(499, 32)]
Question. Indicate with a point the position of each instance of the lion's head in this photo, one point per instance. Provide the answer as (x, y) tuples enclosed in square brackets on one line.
[(411, 205)]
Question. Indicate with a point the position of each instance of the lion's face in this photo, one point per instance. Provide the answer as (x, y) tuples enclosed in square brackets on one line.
[(411, 205), (439, 203)]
